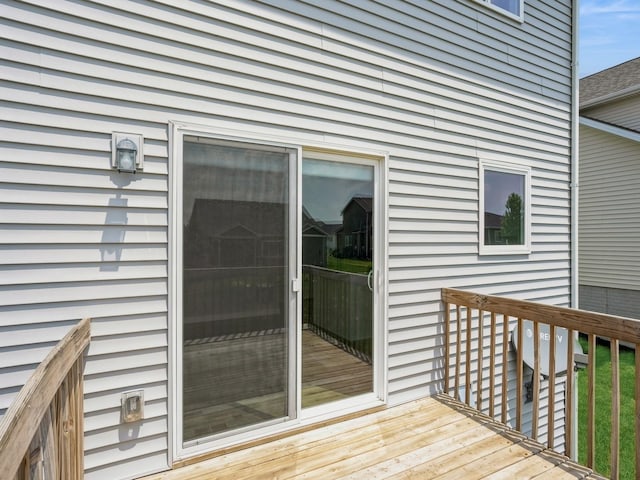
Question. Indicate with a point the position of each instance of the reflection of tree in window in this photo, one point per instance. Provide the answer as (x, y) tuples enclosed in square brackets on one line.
[(512, 226), (504, 208)]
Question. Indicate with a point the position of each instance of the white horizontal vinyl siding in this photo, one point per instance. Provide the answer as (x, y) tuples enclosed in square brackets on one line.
[(623, 113), (609, 224), (436, 84)]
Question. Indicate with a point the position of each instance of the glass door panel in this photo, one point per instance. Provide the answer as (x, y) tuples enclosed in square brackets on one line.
[(235, 291), (337, 284)]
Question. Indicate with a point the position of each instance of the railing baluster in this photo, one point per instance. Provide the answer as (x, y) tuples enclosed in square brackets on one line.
[(615, 408), (591, 402), (447, 348), (505, 366), (519, 376), (480, 355), (458, 347), (568, 418), (492, 367), (535, 380), (551, 413), (467, 370)]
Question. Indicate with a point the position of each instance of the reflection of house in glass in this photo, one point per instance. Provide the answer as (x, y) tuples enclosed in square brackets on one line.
[(493, 229), (318, 239), (227, 233), (234, 267), (354, 239), (314, 241)]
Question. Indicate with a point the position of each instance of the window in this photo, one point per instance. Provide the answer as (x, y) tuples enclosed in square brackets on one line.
[(504, 209), (511, 8)]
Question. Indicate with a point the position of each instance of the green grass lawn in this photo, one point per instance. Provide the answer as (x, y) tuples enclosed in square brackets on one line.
[(350, 265), (603, 412)]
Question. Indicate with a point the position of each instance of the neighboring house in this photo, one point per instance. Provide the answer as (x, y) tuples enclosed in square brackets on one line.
[(314, 241), (355, 238), (609, 225), (238, 112), (493, 228)]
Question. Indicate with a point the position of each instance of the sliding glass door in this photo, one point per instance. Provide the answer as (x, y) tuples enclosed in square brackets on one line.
[(275, 287), (338, 216), (236, 270)]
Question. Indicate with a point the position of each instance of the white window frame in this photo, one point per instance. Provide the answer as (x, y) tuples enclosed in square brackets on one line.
[(519, 17), (503, 167)]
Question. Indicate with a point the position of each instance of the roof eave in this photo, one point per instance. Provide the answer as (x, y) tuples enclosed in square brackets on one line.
[(612, 129), (610, 97)]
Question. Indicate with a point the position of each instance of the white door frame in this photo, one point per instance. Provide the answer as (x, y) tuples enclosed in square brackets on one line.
[(177, 131)]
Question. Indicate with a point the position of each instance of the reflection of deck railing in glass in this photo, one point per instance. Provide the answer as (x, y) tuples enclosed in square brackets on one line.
[(338, 306), (233, 300)]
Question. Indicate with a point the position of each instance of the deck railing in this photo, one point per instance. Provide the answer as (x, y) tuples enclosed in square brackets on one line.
[(466, 312), (41, 434), (338, 306)]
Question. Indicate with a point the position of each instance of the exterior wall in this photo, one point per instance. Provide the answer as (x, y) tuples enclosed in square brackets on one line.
[(614, 301), (609, 220), (437, 84), (624, 113)]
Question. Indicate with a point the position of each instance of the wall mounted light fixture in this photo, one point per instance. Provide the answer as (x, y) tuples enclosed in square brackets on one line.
[(126, 152)]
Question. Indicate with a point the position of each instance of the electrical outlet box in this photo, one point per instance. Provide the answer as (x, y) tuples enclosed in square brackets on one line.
[(132, 405)]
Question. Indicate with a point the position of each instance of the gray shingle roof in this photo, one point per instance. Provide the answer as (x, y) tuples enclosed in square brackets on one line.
[(611, 80)]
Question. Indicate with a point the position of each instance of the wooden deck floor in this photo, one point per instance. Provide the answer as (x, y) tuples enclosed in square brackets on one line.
[(234, 382), (426, 439)]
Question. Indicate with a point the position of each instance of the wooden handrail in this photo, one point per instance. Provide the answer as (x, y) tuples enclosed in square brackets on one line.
[(22, 420), (616, 329), (600, 324)]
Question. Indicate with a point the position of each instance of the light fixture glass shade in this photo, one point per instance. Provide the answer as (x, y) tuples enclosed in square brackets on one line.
[(126, 156)]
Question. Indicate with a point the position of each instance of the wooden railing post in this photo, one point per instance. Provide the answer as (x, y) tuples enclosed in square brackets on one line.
[(53, 392), (467, 368), (480, 358), (519, 376), (570, 400), (492, 367), (615, 409), (447, 345), (458, 346), (552, 386), (591, 402), (505, 367)]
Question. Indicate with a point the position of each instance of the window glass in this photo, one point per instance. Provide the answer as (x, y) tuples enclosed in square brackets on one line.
[(235, 289), (512, 6), (504, 203), (337, 290)]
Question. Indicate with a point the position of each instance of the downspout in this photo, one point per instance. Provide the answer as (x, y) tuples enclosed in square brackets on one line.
[(575, 128)]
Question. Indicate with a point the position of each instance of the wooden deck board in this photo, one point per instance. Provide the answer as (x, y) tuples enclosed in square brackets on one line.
[(430, 438), (226, 389)]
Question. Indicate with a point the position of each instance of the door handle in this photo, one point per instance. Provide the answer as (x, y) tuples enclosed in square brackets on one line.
[(369, 277)]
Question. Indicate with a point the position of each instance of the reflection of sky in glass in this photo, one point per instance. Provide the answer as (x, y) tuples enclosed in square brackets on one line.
[(497, 188), (327, 187), (239, 173), (512, 6)]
